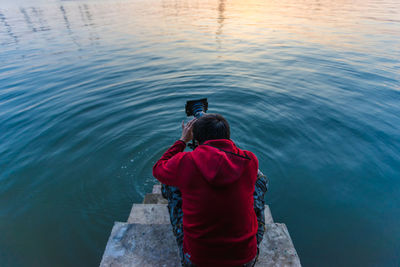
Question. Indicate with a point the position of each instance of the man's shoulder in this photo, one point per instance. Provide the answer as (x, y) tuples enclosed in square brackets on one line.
[(184, 156), (250, 154)]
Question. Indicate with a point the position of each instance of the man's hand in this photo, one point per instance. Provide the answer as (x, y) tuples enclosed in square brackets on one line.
[(187, 131)]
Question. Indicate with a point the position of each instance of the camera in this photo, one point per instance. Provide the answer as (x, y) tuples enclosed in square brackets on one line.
[(196, 108)]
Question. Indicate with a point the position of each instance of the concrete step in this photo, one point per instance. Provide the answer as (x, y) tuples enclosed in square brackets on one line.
[(154, 199), (156, 189), (277, 248), (154, 245), (141, 245), (268, 215), (158, 214), (149, 214)]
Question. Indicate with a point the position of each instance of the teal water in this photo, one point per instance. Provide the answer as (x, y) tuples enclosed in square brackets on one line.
[(92, 93)]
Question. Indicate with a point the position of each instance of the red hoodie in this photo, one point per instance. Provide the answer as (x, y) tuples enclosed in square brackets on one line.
[(217, 182)]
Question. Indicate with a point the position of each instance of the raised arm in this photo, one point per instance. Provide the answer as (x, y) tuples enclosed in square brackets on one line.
[(166, 169)]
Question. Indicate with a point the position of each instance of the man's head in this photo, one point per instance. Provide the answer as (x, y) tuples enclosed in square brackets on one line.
[(211, 126)]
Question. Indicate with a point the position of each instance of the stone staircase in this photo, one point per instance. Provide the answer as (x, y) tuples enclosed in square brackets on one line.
[(147, 239)]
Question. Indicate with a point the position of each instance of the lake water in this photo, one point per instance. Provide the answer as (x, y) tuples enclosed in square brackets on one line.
[(93, 92)]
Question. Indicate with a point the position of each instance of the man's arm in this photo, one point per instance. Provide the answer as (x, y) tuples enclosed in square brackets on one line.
[(166, 170), (167, 167)]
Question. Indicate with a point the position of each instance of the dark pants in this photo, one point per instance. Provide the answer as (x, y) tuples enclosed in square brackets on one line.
[(174, 197)]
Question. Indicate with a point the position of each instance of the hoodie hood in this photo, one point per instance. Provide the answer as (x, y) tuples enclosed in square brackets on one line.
[(220, 161)]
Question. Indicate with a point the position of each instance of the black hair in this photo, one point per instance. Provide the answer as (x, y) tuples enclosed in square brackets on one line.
[(211, 126)]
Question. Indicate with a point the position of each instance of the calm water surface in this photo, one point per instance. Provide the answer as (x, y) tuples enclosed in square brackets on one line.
[(92, 93)]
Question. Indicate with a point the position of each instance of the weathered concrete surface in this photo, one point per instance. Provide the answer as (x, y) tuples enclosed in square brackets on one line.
[(157, 189), (154, 199), (141, 245), (277, 248), (149, 214), (268, 215)]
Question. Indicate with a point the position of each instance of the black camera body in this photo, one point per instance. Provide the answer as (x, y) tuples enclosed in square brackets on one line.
[(196, 108)]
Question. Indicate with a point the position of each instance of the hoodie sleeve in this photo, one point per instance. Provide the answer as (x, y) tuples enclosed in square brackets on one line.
[(166, 168)]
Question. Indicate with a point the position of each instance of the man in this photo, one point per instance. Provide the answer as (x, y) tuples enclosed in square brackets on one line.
[(215, 196)]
